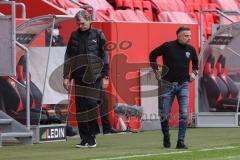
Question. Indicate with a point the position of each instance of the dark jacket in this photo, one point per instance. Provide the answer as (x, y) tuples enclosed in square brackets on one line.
[(94, 58), (176, 57)]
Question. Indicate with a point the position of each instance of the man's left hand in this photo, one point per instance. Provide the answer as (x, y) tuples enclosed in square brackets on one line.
[(192, 77)]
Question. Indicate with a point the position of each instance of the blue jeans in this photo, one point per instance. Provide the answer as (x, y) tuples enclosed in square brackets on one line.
[(181, 91)]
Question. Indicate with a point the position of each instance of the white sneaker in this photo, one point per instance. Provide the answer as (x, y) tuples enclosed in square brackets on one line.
[(92, 142)]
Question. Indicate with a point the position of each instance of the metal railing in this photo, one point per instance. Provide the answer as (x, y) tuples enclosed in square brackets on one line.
[(22, 5), (13, 15), (27, 83), (222, 14), (229, 13)]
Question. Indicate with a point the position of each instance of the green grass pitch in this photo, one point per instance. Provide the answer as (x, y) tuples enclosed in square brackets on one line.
[(203, 143)]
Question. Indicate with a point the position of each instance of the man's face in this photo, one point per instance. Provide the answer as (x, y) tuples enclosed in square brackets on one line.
[(83, 24), (184, 37)]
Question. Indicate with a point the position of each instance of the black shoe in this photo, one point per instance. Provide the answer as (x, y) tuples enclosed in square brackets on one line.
[(92, 142), (109, 131), (83, 144), (166, 141), (181, 145)]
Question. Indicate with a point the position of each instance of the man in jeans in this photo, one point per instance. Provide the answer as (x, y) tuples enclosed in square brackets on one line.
[(176, 57)]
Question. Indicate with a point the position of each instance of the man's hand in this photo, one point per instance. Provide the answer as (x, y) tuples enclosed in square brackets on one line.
[(66, 84), (105, 82), (193, 75), (158, 74)]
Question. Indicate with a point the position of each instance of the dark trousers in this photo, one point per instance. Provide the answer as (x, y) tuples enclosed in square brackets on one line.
[(87, 97), (104, 112)]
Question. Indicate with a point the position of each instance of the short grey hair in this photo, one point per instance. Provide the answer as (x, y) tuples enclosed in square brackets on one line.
[(83, 14)]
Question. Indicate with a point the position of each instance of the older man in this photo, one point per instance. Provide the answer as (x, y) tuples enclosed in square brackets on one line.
[(86, 61)]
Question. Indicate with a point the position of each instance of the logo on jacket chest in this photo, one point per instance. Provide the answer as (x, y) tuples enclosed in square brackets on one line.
[(187, 54)]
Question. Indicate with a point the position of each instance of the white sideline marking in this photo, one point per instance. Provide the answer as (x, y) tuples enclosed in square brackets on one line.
[(142, 155), (217, 148), (223, 158), (171, 153), (232, 157)]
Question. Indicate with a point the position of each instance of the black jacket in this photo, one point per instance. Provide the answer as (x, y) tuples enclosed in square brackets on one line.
[(88, 51), (176, 58)]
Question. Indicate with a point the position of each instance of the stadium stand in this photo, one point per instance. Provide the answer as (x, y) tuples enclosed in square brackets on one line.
[(230, 5), (223, 94), (226, 5), (64, 4), (172, 11), (98, 4), (126, 11), (177, 11)]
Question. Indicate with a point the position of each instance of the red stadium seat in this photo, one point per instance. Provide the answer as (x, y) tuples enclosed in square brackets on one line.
[(108, 15), (102, 6), (127, 13), (141, 16), (147, 9), (196, 7), (229, 5), (172, 11), (215, 16), (226, 4), (97, 4), (204, 1), (169, 5), (114, 16), (73, 11), (128, 4), (181, 6), (238, 2), (177, 17), (137, 5), (65, 4), (102, 16), (208, 20), (119, 3), (188, 1), (190, 7)]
